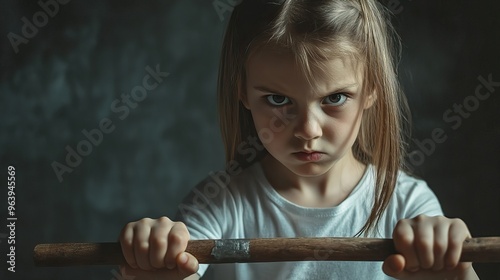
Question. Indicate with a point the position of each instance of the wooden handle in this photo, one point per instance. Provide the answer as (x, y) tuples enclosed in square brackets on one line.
[(483, 249)]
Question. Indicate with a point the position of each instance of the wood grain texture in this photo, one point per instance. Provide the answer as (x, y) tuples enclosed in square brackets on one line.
[(483, 249)]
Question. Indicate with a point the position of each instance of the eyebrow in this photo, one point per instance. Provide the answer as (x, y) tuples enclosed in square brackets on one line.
[(335, 90)]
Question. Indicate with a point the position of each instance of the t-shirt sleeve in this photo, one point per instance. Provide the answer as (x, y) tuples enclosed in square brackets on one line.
[(416, 198), (203, 213)]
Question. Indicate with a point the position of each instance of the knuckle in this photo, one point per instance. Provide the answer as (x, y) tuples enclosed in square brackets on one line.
[(400, 235), (459, 223), (442, 218), (144, 221), (421, 218), (181, 225), (397, 234), (164, 220), (402, 222), (182, 228), (400, 229), (129, 225)]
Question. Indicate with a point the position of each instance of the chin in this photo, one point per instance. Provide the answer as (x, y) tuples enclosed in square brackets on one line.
[(309, 169)]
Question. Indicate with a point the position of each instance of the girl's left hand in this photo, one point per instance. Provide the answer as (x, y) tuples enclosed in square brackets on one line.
[(429, 248)]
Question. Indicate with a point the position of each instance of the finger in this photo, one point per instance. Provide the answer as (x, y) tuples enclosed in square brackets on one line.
[(131, 273), (178, 238), (158, 243), (394, 265), (127, 272), (440, 247), (458, 232), (187, 264), (141, 243), (424, 241), (403, 241), (126, 242)]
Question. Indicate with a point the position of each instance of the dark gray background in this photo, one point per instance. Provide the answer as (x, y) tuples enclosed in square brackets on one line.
[(65, 78)]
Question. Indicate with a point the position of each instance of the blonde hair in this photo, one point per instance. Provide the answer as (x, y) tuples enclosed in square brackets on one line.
[(315, 31)]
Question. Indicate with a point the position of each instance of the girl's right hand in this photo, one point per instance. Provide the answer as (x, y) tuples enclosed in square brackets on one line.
[(156, 248)]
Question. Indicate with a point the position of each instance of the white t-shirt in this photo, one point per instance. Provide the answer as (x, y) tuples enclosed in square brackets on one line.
[(247, 206)]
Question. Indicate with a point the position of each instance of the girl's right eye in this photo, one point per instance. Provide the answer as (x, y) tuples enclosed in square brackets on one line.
[(277, 100)]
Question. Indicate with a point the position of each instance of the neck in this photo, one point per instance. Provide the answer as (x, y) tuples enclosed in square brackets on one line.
[(324, 190)]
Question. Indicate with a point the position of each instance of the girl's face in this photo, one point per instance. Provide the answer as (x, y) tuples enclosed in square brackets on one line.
[(307, 128)]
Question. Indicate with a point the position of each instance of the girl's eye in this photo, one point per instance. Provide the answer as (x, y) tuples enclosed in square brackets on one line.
[(277, 100), (337, 99)]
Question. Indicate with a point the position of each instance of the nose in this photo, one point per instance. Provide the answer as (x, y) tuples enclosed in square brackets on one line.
[(308, 126)]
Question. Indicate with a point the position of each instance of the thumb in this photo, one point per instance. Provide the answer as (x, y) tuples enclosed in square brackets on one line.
[(187, 264), (394, 265)]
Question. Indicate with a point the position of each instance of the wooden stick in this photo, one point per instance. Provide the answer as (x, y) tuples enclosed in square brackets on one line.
[(483, 249)]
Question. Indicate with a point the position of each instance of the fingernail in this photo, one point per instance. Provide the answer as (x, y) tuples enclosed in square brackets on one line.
[(183, 258), (170, 266), (413, 269)]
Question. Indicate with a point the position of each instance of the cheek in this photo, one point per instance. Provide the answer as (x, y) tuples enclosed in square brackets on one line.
[(351, 127), (343, 126), (270, 129), (260, 119), (265, 117)]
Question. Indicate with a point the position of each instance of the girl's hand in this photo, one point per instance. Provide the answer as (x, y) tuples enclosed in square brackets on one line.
[(155, 248), (429, 248), (162, 274)]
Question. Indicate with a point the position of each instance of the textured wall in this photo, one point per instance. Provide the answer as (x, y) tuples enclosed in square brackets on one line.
[(68, 75)]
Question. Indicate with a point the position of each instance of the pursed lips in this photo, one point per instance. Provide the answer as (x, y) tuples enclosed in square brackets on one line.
[(308, 155)]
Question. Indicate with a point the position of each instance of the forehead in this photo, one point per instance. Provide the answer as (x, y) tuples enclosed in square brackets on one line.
[(283, 69)]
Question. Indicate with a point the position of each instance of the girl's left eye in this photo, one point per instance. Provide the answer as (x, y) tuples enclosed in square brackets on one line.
[(277, 100), (337, 99)]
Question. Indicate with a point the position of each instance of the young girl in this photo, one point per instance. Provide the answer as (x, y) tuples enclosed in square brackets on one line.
[(311, 116)]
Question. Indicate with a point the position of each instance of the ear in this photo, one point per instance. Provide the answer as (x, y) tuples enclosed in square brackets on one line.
[(370, 100)]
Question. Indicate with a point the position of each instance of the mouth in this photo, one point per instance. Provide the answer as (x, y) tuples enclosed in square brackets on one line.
[(308, 156)]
